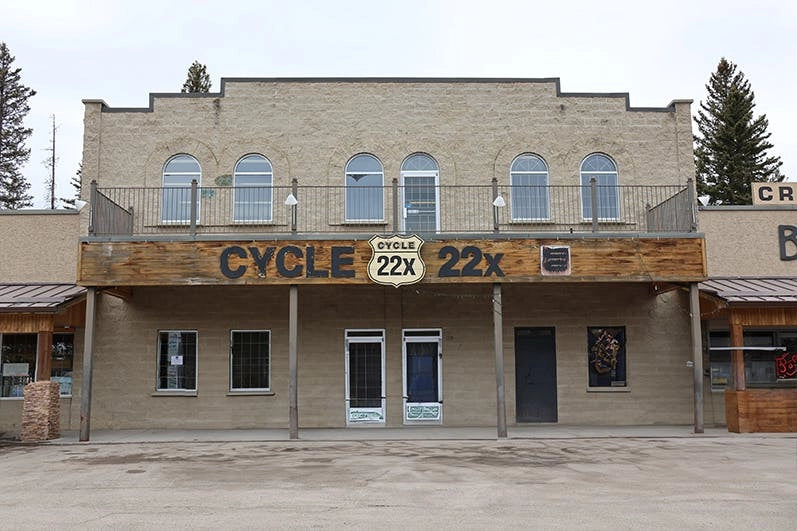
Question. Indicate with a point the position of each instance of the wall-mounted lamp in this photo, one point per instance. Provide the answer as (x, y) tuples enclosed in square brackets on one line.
[(499, 201), (703, 199), (291, 200), (80, 204)]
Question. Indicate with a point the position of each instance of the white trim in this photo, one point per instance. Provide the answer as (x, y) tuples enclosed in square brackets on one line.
[(377, 336), (420, 173), (256, 390), (435, 335)]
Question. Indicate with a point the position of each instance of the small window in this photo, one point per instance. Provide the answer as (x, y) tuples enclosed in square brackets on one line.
[(62, 361), (604, 171), (253, 193), (177, 360), (606, 356), (528, 179), (178, 172), (17, 362), (250, 367), (364, 189)]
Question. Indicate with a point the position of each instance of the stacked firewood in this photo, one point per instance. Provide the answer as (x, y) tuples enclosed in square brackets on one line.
[(41, 412)]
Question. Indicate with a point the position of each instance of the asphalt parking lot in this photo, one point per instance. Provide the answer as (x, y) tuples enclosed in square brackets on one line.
[(593, 483)]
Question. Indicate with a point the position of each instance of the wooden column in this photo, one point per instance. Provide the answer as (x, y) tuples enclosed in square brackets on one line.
[(45, 356), (498, 336), (293, 317), (88, 352), (697, 354), (737, 356)]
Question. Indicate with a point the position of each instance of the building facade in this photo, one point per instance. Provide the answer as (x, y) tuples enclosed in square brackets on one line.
[(389, 252)]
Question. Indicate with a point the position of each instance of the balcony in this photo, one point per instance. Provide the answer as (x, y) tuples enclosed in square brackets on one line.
[(310, 211)]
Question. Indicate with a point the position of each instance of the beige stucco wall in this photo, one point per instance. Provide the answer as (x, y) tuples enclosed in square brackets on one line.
[(125, 357), (38, 246), (743, 241), (309, 130)]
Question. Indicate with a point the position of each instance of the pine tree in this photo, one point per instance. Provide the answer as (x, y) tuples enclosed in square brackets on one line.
[(731, 150), (69, 202), (198, 79), (13, 134)]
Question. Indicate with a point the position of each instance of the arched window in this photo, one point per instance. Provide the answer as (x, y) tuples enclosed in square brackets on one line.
[(252, 179), (178, 172), (365, 189), (528, 179), (604, 171), (419, 181)]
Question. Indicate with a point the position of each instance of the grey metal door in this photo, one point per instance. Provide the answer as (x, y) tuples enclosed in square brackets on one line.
[(535, 374)]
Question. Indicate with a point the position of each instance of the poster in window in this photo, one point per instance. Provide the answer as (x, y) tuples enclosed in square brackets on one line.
[(606, 356)]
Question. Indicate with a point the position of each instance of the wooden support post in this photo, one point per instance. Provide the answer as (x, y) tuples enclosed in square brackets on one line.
[(697, 354), (293, 408), (88, 352), (498, 336), (737, 356), (44, 355)]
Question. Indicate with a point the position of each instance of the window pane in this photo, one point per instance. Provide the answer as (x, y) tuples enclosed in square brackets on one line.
[(422, 372), (182, 164), (364, 197), (177, 360), (365, 375), (249, 367), (178, 173), (63, 357), (176, 205), (529, 188), (419, 162), (420, 203), (253, 164), (608, 196), (606, 356), (18, 363), (364, 164)]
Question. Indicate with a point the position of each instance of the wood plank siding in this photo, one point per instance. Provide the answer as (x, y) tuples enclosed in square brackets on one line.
[(147, 263)]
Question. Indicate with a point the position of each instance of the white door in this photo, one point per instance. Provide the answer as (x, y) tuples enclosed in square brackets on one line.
[(421, 197), (365, 376), (423, 375)]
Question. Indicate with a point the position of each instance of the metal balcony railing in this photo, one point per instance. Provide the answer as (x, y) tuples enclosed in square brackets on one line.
[(273, 211)]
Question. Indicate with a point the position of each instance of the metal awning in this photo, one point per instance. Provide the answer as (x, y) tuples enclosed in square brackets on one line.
[(772, 290), (38, 297)]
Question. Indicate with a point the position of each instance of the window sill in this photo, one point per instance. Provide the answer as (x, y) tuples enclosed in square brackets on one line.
[(531, 222), (176, 392), (250, 393), (375, 222), (607, 221), (608, 389), (12, 398)]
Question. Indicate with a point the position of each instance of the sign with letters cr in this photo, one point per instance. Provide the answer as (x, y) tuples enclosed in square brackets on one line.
[(396, 260)]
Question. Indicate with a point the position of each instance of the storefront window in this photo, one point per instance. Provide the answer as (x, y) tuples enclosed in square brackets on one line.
[(18, 363), (606, 356), (63, 356), (177, 360), (765, 364)]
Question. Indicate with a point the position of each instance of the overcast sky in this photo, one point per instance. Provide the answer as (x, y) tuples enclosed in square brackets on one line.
[(121, 51)]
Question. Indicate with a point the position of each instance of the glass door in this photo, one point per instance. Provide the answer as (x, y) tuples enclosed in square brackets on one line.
[(423, 389), (421, 197), (365, 376)]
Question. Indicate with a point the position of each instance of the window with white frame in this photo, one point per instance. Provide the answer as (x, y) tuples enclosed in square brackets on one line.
[(17, 363), (365, 189), (253, 193), (178, 172), (604, 171), (250, 362), (177, 360), (528, 179)]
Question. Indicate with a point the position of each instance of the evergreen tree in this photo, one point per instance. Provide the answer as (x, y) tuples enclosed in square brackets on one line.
[(69, 202), (731, 150), (13, 134), (198, 79)]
